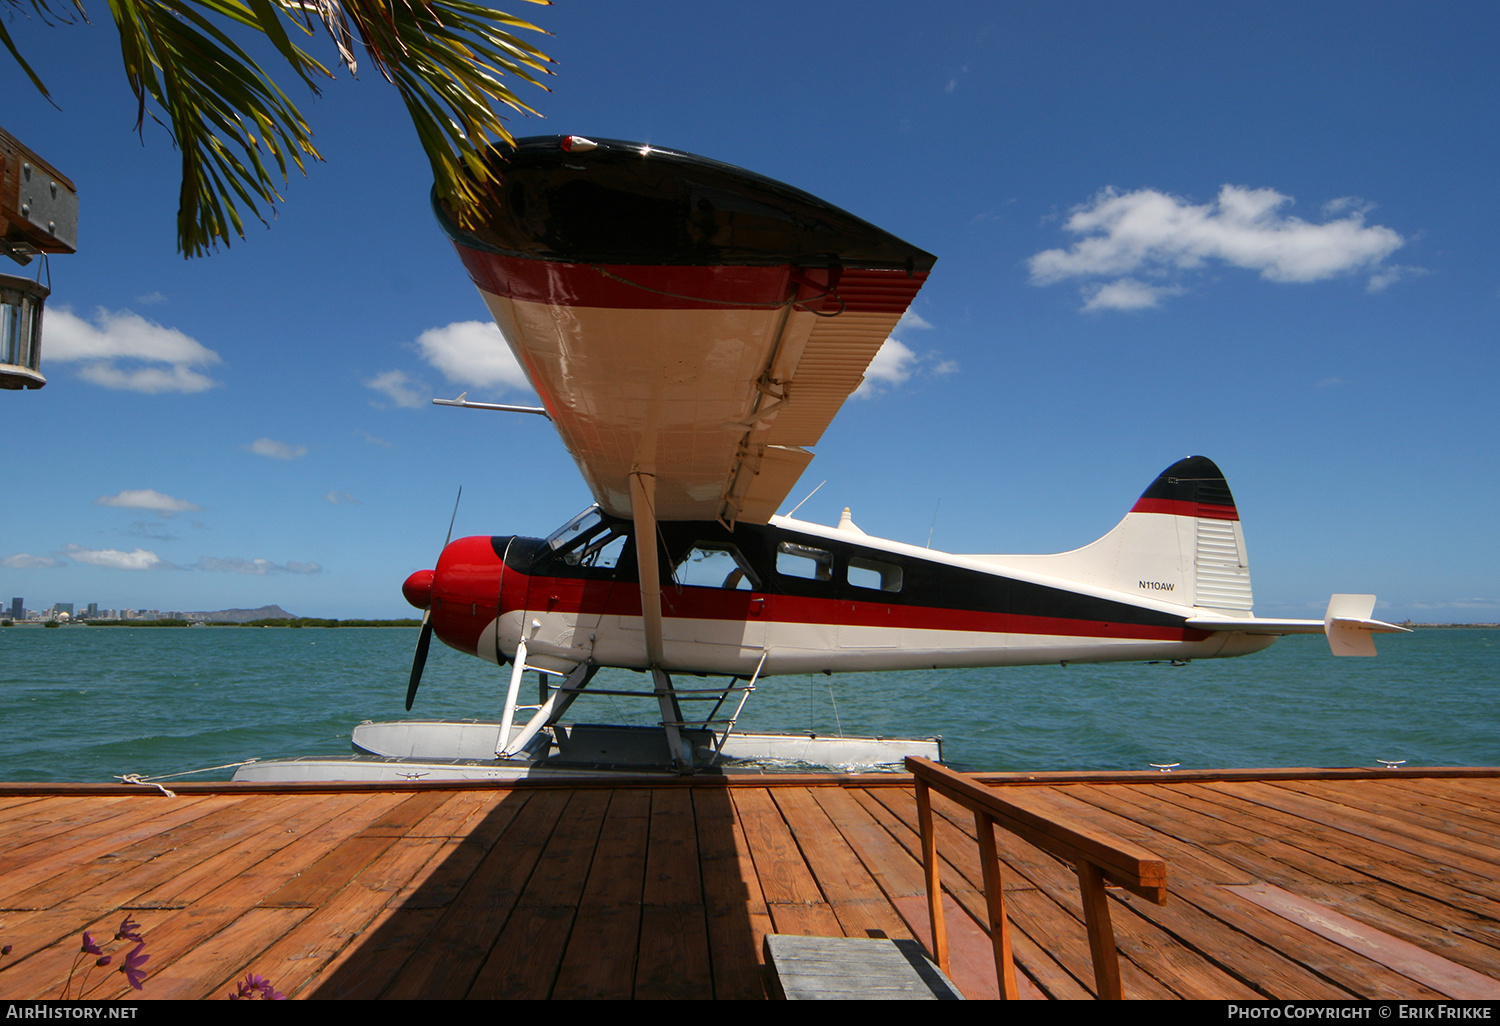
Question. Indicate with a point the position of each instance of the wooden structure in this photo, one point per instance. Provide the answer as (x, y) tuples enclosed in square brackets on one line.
[(1062, 833), (853, 969), (1308, 885), (38, 204), (38, 214)]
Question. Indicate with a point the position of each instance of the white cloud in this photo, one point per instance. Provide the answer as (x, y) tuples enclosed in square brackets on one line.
[(115, 559), (123, 350), (255, 567), (472, 353), (911, 319), (896, 362), (26, 561), (892, 366), (342, 499), (1152, 233), (1126, 294), (274, 449), (400, 389), (1388, 276), (148, 498)]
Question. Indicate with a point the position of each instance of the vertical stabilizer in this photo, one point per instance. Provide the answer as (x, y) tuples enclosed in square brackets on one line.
[(1181, 542)]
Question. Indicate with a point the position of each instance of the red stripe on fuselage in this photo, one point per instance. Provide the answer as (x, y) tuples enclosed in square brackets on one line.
[(569, 595), (1178, 507), (678, 287)]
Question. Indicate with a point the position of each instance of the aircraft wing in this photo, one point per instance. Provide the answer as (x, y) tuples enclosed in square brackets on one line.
[(680, 318)]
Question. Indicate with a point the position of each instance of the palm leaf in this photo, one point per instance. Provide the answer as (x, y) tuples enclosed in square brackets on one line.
[(238, 133)]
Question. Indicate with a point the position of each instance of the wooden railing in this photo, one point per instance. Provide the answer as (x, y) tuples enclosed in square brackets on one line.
[(1095, 856)]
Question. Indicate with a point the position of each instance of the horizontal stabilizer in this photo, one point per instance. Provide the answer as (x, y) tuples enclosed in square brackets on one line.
[(1349, 627), (1347, 624)]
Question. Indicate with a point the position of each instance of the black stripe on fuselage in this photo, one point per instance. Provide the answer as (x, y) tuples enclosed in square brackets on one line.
[(924, 582)]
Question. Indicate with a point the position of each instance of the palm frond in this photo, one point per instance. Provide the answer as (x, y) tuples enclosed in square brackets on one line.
[(447, 59), (238, 132)]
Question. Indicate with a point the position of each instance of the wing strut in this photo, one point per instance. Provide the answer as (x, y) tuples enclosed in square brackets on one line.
[(643, 513)]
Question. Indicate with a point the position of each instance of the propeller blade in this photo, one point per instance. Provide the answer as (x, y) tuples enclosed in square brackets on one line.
[(419, 660), (424, 639)]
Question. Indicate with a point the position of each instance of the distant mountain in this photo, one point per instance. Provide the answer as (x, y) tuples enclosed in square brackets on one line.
[(244, 615)]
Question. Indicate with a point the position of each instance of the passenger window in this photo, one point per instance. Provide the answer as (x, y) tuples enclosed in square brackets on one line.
[(804, 561), (714, 566), (869, 573)]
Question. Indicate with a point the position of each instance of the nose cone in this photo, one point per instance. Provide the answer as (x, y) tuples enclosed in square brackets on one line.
[(418, 588)]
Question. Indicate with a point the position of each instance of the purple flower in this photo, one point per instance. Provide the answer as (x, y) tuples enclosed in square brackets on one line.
[(132, 967), (130, 930), (6, 950), (103, 960), (253, 984), (89, 947)]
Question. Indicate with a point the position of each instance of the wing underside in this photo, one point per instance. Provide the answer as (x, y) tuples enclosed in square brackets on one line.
[(683, 319)]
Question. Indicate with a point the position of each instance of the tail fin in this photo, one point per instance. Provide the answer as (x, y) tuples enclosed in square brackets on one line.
[(1181, 542)]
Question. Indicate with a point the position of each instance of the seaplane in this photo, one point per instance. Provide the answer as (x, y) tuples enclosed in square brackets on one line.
[(691, 329)]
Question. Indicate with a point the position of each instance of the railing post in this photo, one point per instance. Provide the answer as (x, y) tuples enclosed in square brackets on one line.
[(1101, 932), (994, 896), (930, 869)]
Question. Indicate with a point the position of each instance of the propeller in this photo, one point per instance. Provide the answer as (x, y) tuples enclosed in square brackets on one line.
[(424, 639)]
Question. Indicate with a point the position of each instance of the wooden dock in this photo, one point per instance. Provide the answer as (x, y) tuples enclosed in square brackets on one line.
[(1283, 884)]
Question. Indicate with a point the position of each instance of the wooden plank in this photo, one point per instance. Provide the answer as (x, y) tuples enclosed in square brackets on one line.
[(36, 817), (600, 958), (1448, 978), (59, 852), (209, 968), (201, 863), (1207, 918), (736, 912), (374, 966), (674, 953), (340, 863), (299, 957), (523, 962), (447, 959), (782, 872), (437, 885), (1403, 820), (851, 892)]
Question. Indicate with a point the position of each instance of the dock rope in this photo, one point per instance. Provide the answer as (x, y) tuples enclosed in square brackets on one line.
[(136, 778)]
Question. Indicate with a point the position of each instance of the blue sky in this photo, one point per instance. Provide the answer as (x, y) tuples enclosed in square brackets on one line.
[(1260, 232)]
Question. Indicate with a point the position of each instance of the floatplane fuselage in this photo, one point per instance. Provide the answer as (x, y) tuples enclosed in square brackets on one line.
[(1170, 582)]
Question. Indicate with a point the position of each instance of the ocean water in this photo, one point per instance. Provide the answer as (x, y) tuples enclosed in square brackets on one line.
[(89, 703)]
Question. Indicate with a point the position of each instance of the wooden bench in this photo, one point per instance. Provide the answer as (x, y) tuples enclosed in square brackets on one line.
[(1096, 856), (853, 969)]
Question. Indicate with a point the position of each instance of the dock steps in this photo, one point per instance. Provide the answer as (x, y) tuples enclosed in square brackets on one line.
[(853, 968)]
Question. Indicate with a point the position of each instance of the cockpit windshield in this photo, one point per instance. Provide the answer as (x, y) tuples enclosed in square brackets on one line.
[(585, 522), (589, 540)]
